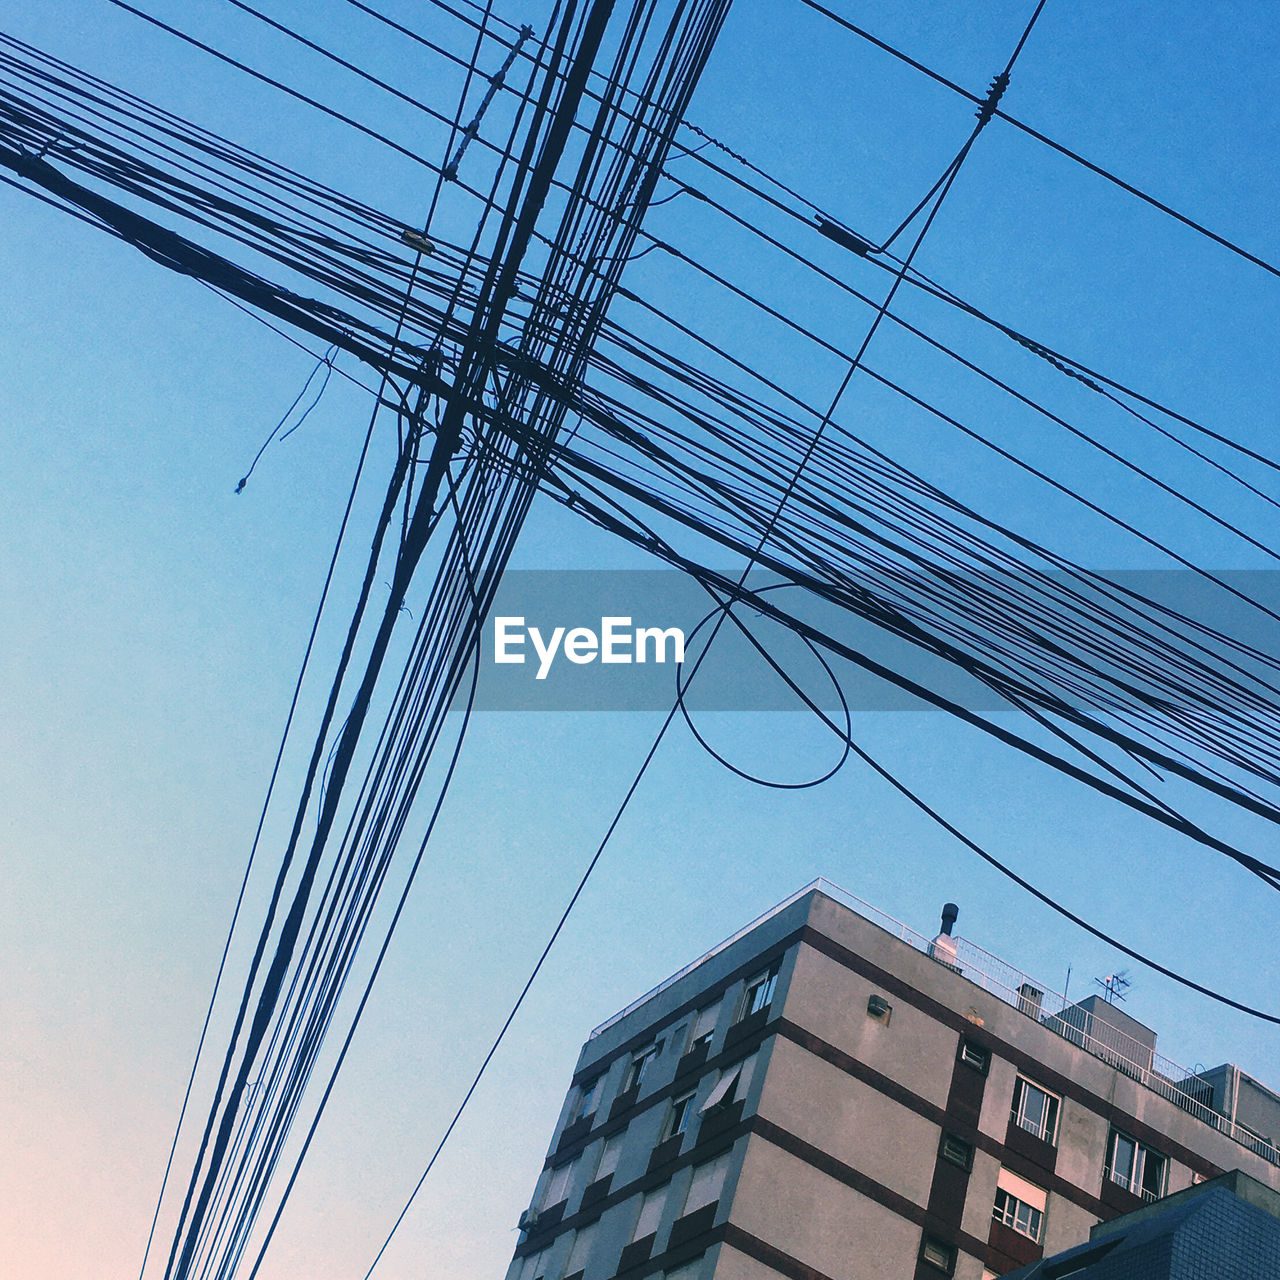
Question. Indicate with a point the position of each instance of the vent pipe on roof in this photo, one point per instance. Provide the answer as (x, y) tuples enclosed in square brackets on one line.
[(943, 947)]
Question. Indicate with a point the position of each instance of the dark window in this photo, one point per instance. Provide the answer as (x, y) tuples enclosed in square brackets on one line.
[(610, 1152), (581, 1250), (937, 1253), (650, 1213), (974, 1055), (1019, 1215), (639, 1065), (681, 1110), (557, 1188), (706, 1185), (1035, 1110), (956, 1151), (733, 1084), (588, 1099), (759, 992), (704, 1027), (534, 1266), (1135, 1166)]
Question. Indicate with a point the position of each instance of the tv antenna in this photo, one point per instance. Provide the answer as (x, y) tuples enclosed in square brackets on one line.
[(1114, 985)]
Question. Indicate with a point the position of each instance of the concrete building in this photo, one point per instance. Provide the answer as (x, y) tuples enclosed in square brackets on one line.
[(1226, 1229), (828, 1095)]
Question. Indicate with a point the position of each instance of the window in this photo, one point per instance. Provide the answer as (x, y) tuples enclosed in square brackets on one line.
[(638, 1065), (581, 1250), (1017, 1214), (1035, 1110), (558, 1185), (678, 1121), (937, 1253), (974, 1055), (733, 1084), (1135, 1166), (759, 992), (534, 1266), (956, 1151), (704, 1027), (588, 1099), (707, 1184), (1020, 1204), (650, 1213), (609, 1155)]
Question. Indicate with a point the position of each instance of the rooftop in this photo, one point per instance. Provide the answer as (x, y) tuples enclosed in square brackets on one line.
[(1091, 1024)]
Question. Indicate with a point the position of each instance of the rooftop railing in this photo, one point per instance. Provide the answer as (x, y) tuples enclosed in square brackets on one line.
[(1074, 1022), (716, 950), (1102, 1039), (864, 909)]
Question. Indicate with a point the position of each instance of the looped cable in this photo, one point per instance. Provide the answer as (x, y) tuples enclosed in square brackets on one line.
[(845, 736)]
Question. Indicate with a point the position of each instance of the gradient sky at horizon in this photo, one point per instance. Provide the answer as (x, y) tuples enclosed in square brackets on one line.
[(156, 619)]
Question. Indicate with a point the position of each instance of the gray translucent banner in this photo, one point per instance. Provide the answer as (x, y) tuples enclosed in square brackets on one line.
[(564, 624)]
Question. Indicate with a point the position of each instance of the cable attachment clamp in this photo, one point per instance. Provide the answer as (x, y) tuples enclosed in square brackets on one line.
[(994, 94), (496, 80)]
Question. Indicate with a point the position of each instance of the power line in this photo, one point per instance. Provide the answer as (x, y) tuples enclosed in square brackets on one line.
[(310, 961), (296, 94), (1047, 141), (810, 336), (262, 816), (676, 706), (1033, 346), (543, 376), (970, 844)]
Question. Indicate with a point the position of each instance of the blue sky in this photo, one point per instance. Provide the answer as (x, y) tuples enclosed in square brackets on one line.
[(156, 619)]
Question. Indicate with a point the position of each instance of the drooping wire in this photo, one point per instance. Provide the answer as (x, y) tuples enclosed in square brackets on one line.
[(934, 815), (324, 362), (262, 817)]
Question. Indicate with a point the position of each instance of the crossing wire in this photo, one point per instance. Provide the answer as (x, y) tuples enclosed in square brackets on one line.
[(823, 524), (1062, 150)]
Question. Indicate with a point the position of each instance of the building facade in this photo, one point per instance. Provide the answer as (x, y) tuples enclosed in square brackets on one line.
[(830, 1096)]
